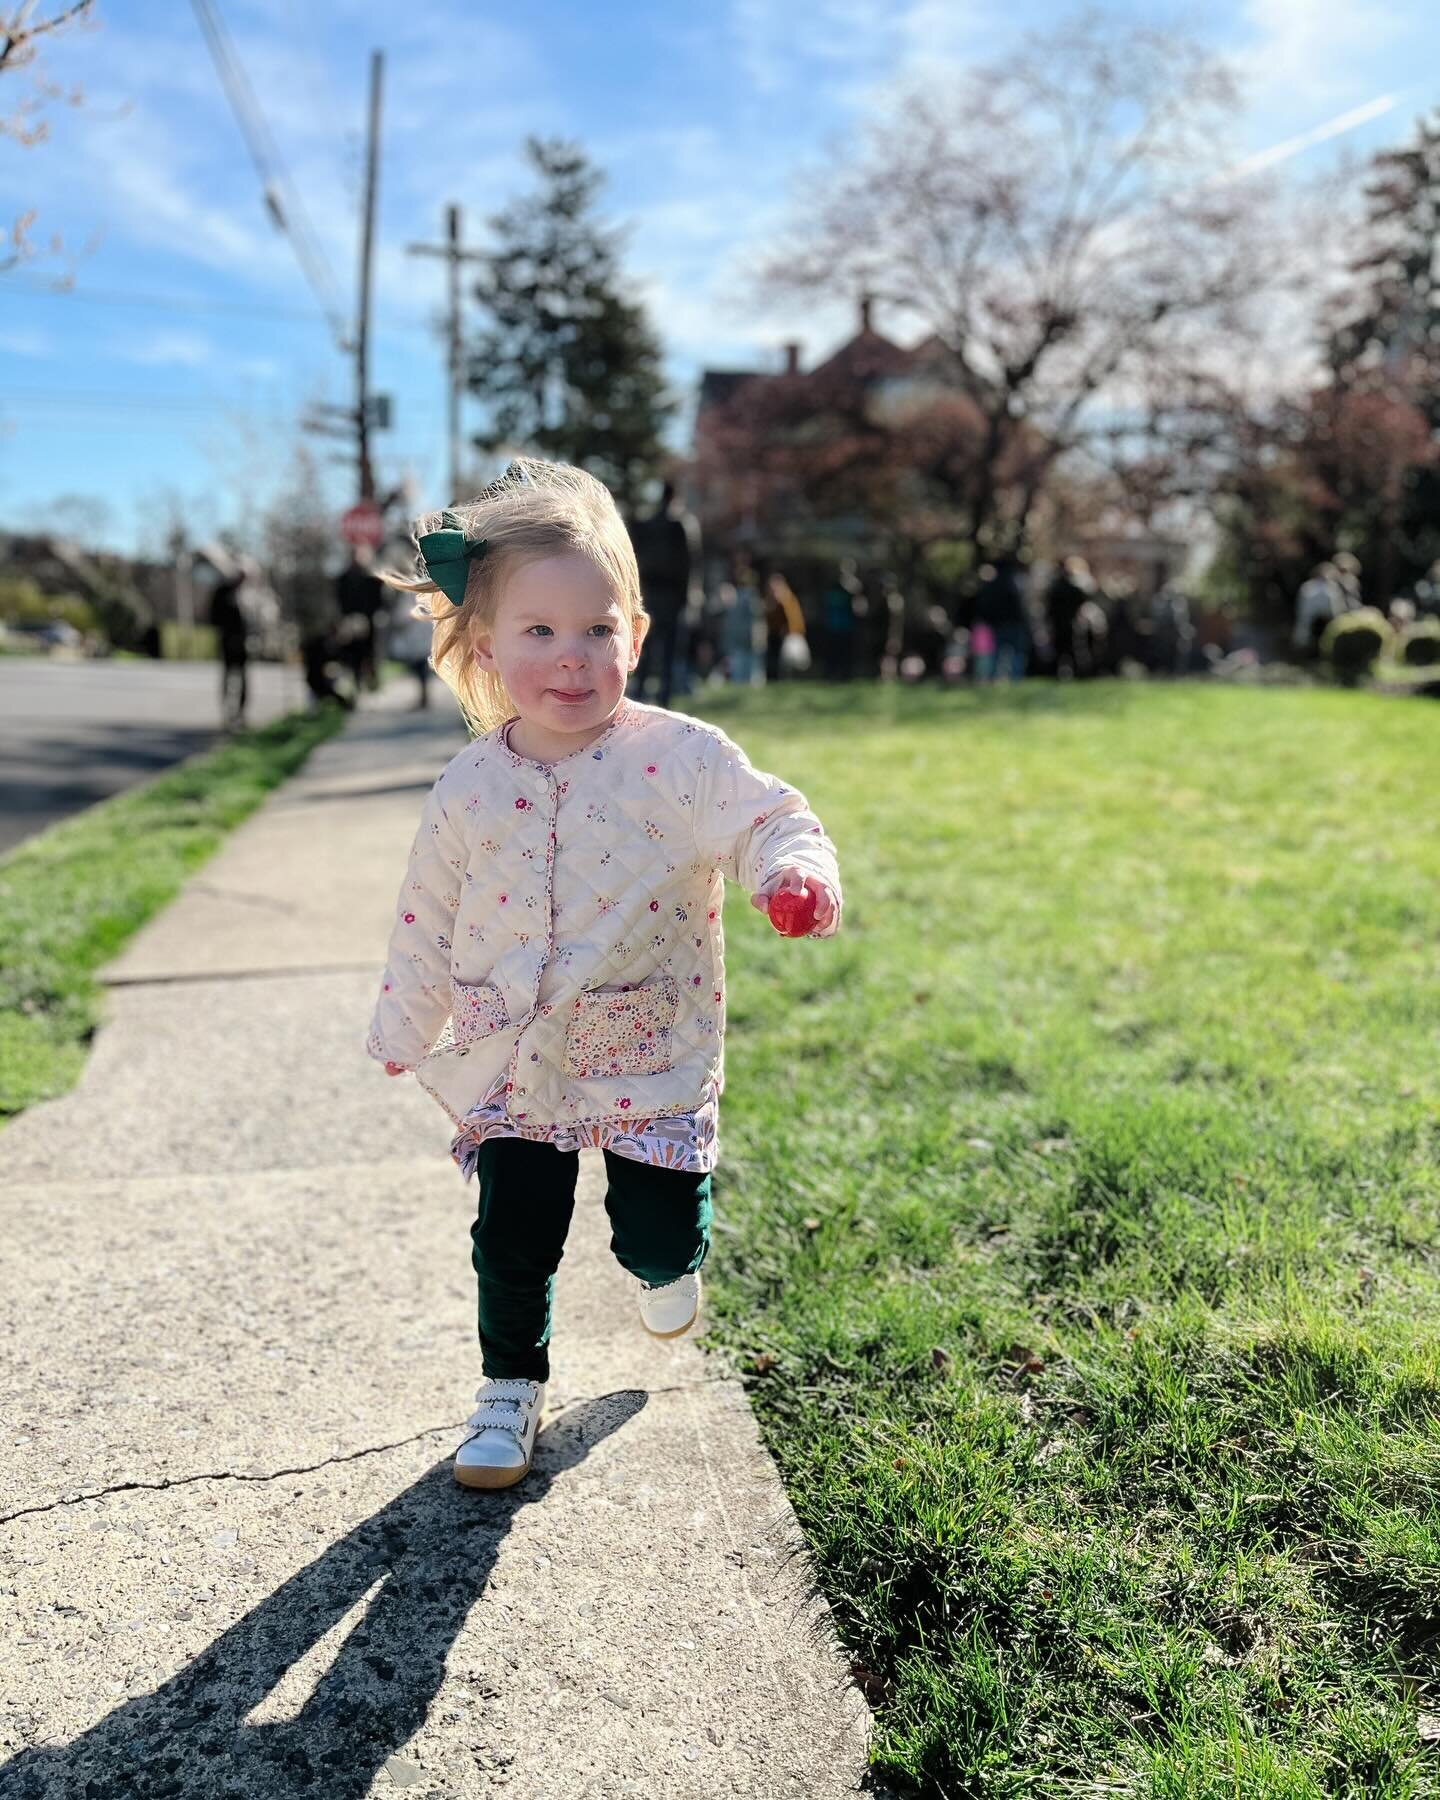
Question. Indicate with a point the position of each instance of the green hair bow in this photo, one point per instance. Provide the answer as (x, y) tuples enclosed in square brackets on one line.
[(447, 555)]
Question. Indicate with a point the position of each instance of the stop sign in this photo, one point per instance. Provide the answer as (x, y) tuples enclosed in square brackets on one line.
[(363, 524)]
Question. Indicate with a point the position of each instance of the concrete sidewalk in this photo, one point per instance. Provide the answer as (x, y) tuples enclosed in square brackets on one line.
[(237, 1296)]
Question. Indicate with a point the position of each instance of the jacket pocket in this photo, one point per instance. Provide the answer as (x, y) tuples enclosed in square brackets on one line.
[(475, 1011), (622, 1031)]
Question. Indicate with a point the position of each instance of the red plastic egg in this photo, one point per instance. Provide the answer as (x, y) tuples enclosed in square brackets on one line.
[(793, 915)]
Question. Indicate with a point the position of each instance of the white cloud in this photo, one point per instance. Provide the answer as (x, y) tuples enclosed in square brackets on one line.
[(133, 178), (708, 324), (1306, 55), (144, 188), (863, 42), (27, 340), (171, 349), (156, 159)]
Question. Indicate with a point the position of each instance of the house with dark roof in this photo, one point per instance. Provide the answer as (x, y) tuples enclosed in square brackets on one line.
[(770, 446)]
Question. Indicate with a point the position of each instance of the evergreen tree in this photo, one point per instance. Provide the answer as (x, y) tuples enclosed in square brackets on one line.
[(570, 367), (1390, 331), (1384, 350)]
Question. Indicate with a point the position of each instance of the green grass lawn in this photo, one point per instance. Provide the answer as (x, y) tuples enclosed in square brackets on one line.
[(1078, 1234), (70, 897)]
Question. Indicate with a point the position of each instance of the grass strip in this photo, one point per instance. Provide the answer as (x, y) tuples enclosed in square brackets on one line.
[(70, 897), (1079, 1231)]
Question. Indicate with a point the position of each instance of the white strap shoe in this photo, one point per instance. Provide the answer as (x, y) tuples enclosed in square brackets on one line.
[(499, 1442), (671, 1310)]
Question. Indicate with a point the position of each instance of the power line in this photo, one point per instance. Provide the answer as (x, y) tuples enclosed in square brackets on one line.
[(67, 423), (282, 200), (88, 399), (184, 303), (160, 302)]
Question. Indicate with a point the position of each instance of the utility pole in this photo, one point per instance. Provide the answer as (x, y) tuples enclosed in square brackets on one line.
[(454, 255), (367, 247), (370, 412)]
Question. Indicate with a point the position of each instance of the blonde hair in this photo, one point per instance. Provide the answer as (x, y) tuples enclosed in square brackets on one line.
[(536, 509)]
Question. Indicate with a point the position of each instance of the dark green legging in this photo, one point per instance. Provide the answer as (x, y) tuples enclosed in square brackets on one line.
[(660, 1229)]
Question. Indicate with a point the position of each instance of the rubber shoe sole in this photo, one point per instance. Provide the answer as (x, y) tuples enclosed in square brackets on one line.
[(679, 1331), (490, 1479)]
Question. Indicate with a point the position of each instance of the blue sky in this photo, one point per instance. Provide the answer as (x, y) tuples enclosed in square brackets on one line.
[(705, 117)]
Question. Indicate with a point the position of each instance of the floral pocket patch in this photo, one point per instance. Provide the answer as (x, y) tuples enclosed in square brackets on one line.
[(622, 1031), (476, 1011)]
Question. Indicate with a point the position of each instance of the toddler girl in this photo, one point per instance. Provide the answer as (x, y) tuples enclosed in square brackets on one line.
[(556, 977)]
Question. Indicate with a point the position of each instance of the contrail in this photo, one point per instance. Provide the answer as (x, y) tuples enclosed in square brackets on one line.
[(1337, 127)]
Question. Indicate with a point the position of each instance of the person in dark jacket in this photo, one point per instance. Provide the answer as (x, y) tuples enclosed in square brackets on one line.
[(667, 549), (1067, 593), (842, 605), (1000, 604), (232, 634), (361, 598)]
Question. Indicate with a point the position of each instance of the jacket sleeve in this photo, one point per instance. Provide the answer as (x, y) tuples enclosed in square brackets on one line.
[(753, 825), (414, 999)]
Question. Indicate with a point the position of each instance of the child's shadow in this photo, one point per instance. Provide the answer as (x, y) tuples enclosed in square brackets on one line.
[(431, 1549)]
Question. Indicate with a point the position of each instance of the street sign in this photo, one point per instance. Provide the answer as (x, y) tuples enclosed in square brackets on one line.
[(363, 524)]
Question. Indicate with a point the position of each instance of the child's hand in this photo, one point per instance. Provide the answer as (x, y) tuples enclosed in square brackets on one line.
[(796, 881), (396, 1069)]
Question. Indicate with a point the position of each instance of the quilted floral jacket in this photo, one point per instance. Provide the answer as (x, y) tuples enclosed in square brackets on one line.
[(558, 933)]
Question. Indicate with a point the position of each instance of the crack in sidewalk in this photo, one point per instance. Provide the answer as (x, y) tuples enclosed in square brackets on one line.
[(176, 1481)]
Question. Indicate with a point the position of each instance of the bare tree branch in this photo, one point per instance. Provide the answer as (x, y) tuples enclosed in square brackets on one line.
[(20, 33), (1056, 221)]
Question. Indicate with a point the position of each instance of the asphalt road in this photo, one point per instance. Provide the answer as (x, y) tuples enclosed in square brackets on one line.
[(72, 733)]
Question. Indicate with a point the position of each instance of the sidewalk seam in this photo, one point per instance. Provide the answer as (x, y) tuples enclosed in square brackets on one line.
[(185, 975)]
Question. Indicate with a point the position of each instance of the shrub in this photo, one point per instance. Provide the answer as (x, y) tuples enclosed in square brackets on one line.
[(1354, 642), (24, 602), (1420, 643)]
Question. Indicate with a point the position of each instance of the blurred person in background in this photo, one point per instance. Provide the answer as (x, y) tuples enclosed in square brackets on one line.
[(703, 655), (739, 623), (1172, 634), (1067, 593), (784, 626), (1000, 608), (360, 595), (1214, 631), (1091, 638), (312, 604), (667, 549), (842, 605), (1319, 601), (1124, 640), (892, 619), (1427, 592), (1347, 580), (1401, 613), (408, 638), (232, 637), (982, 650)]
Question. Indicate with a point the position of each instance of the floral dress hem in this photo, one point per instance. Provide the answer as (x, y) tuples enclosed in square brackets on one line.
[(689, 1141)]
